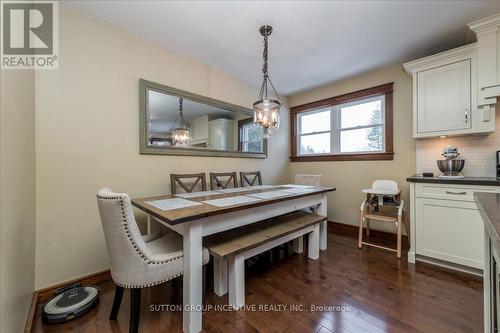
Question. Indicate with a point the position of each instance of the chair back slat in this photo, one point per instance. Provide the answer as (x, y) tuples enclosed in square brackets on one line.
[(250, 178), (188, 182), (217, 180)]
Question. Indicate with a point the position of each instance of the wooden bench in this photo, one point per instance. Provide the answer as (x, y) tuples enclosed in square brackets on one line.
[(231, 248)]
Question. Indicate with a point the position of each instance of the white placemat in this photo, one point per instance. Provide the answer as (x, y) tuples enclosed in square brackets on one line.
[(236, 189), (298, 186), (196, 194), (269, 195), (297, 190), (261, 187), (237, 200), (175, 203)]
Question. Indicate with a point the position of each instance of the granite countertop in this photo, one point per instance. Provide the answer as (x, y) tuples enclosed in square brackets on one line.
[(460, 181), (489, 205)]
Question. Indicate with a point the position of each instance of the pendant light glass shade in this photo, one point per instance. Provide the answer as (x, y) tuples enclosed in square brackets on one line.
[(180, 135), (266, 114), (266, 109)]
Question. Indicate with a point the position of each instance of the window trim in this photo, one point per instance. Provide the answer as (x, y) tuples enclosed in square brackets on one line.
[(242, 123), (387, 154)]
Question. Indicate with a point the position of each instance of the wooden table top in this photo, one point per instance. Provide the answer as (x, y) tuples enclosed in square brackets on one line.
[(186, 214)]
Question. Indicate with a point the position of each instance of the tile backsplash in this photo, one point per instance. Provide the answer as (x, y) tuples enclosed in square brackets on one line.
[(478, 152)]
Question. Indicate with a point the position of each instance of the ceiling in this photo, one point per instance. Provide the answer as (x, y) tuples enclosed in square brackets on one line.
[(313, 42)]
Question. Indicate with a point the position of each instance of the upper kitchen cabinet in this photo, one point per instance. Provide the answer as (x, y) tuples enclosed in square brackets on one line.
[(488, 53), (444, 98), (445, 95)]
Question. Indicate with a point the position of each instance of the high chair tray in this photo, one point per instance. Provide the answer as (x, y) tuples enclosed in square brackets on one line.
[(381, 192)]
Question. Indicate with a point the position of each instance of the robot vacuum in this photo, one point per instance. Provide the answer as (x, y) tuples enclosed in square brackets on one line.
[(69, 303)]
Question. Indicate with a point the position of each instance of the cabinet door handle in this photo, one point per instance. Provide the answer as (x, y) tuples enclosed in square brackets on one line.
[(466, 115), (460, 193)]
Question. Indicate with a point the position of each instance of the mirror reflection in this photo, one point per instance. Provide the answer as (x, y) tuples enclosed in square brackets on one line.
[(176, 121)]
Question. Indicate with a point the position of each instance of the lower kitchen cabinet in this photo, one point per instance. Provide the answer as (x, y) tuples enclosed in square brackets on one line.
[(450, 230), (491, 287), (489, 207), (446, 226)]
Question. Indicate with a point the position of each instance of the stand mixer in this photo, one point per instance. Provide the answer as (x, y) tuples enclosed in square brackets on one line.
[(452, 164)]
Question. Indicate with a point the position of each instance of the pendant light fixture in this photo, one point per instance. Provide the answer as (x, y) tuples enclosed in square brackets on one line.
[(266, 109), (180, 135)]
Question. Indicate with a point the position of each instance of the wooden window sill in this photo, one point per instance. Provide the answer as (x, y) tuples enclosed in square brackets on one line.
[(386, 156)]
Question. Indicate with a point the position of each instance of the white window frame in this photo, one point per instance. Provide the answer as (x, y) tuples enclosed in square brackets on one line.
[(245, 143), (335, 127)]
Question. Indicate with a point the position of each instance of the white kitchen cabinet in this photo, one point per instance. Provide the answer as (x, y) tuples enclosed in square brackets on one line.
[(446, 225), (488, 207), (221, 134), (444, 98), (450, 230), (445, 95), (199, 131), (487, 31), (491, 285)]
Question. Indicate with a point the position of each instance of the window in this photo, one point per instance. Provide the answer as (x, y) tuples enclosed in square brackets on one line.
[(355, 126), (250, 136)]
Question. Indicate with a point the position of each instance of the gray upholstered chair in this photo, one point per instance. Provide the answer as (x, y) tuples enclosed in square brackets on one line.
[(136, 262)]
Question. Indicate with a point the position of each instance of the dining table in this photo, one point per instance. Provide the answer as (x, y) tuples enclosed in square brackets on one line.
[(199, 214)]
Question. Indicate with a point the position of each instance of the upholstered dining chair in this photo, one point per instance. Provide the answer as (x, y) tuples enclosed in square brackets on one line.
[(136, 262), (222, 180), (250, 178), (189, 182)]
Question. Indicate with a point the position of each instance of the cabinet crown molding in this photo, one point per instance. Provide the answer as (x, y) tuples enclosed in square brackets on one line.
[(439, 59), (486, 25)]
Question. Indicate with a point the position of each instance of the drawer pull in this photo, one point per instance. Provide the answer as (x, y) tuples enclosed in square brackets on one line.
[(460, 193)]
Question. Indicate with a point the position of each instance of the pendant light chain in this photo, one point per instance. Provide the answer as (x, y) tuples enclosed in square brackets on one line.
[(265, 71), (180, 111), (180, 135), (266, 109), (265, 66)]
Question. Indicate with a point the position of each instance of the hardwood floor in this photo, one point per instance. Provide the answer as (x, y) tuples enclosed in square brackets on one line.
[(379, 294)]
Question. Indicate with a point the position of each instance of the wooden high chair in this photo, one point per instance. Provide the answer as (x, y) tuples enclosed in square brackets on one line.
[(383, 203)]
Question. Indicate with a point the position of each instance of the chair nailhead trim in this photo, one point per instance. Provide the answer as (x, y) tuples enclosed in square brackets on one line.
[(149, 262), (150, 284)]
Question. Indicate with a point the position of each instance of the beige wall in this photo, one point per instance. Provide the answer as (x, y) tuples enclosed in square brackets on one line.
[(88, 137), (351, 177), (17, 197)]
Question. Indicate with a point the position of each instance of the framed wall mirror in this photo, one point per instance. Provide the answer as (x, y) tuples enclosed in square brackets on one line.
[(177, 122)]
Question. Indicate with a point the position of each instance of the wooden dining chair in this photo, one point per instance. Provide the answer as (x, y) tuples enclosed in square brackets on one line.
[(188, 182), (250, 178), (137, 262), (255, 178), (222, 180)]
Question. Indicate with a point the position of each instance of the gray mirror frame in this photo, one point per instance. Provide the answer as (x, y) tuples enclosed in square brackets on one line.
[(144, 148)]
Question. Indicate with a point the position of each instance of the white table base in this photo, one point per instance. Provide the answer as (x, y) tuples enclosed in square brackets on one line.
[(193, 232)]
